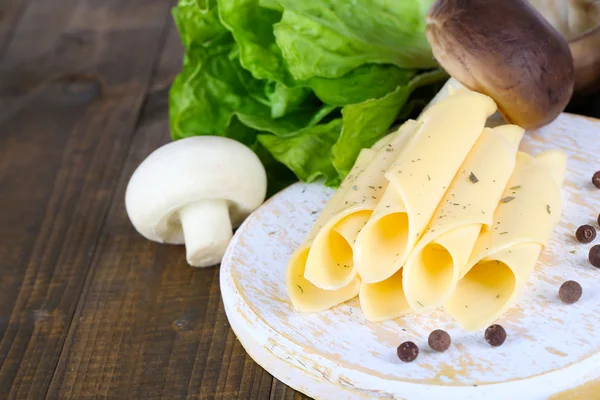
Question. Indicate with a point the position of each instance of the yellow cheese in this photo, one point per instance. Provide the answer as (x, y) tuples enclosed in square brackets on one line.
[(330, 262), (506, 252), (305, 296), (418, 180), (383, 300), (450, 88), (432, 270)]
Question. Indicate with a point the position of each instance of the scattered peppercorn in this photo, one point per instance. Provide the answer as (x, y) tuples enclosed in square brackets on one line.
[(594, 256), (570, 292), (598, 219), (495, 335), (585, 234), (439, 340), (407, 351), (596, 179)]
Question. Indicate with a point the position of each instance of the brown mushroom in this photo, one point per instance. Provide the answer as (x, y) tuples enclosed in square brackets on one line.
[(506, 50)]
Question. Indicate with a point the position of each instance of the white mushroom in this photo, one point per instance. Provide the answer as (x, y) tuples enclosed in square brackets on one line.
[(195, 191)]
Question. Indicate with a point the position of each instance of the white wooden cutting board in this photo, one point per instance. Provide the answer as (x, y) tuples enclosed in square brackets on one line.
[(551, 347)]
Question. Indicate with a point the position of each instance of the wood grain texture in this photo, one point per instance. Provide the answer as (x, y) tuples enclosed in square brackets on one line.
[(69, 103), (11, 12), (148, 325), (280, 391)]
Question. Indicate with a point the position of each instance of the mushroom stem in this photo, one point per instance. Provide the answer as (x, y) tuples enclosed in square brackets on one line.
[(207, 231)]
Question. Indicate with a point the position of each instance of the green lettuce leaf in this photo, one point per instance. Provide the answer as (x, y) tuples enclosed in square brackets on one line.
[(214, 85), (308, 153), (285, 99), (197, 22), (369, 81), (208, 93), (329, 38), (288, 125), (367, 122), (272, 4), (252, 28), (211, 87), (275, 74)]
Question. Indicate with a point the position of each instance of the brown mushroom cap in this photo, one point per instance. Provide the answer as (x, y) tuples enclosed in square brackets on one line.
[(506, 50)]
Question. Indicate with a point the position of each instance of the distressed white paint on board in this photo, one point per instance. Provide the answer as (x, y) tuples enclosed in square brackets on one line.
[(551, 347)]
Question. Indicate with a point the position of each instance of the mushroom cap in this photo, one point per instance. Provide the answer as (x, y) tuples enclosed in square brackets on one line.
[(190, 170), (506, 50)]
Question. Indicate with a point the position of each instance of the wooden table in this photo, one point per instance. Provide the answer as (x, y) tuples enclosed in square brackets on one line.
[(88, 308)]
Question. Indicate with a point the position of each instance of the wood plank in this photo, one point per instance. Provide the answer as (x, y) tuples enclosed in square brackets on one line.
[(281, 391), (11, 12), (68, 106), (148, 325)]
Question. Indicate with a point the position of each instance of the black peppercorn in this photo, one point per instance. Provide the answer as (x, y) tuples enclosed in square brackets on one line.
[(594, 256), (570, 292), (439, 340), (585, 234), (407, 351), (596, 179), (495, 335)]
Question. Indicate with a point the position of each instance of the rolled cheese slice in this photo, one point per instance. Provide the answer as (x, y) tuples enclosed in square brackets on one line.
[(384, 300), (506, 252), (450, 88), (305, 296), (432, 269), (330, 262), (418, 179)]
